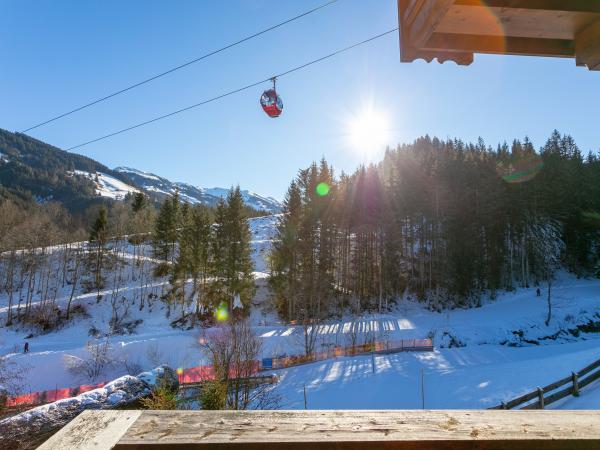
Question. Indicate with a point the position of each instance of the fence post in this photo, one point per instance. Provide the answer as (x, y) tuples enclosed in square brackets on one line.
[(541, 397), (575, 384), (305, 406), (373, 361), (422, 388)]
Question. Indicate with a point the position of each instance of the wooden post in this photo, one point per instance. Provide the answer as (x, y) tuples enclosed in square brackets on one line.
[(422, 389), (305, 404), (372, 361), (541, 397), (575, 384)]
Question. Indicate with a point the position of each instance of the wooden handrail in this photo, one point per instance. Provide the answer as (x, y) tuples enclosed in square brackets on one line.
[(340, 430), (577, 382)]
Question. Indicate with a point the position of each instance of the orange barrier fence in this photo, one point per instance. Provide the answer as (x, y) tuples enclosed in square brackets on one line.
[(186, 376), (203, 373), (403, 345), (42, 397)]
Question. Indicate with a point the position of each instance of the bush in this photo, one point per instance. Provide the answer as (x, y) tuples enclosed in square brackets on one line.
[(213, 395), (162, 397)]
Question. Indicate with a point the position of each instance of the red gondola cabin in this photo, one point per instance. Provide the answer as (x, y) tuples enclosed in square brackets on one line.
[(271, 102)]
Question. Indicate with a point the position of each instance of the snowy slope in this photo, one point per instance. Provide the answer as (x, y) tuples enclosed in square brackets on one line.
[(107, 186), (193, 194), (256, 201), (494, 363)]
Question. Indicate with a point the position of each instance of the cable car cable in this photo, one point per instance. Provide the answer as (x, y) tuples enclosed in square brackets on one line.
[(181, 66), (235, 91)]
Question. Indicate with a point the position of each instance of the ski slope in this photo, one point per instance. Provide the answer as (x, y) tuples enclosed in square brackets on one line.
[(107, 186)]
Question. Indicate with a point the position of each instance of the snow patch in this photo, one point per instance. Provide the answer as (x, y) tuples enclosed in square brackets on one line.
[(107, 186)]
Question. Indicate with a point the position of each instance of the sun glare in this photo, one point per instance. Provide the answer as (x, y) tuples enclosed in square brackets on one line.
[(368, 131)]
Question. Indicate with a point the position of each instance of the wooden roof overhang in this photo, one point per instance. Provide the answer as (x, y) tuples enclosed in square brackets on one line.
[(454, 30)]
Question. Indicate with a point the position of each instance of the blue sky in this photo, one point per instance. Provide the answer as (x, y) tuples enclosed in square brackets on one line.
[(58, 54)]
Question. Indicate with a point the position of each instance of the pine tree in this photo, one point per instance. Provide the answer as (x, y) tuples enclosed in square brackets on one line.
[(98, 240), (232, 259), (166, 229), (195, 252)]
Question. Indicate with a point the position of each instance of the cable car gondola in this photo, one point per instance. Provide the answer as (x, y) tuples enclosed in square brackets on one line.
[(271, 102)]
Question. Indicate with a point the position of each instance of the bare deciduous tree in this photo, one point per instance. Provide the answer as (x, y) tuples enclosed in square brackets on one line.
[(94, 364), (233, 351)]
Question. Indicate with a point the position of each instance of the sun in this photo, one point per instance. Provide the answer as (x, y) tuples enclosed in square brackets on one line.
[(368, 131)]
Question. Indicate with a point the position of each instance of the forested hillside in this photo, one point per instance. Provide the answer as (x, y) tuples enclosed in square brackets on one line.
[(32, 171), (445, 220)]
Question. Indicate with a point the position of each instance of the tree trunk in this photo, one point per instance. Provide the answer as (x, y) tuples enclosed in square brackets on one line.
[(549, 302)]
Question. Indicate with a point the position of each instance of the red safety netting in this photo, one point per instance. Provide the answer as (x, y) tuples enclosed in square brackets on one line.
[(371, 347), (38, 398), (203, 373)]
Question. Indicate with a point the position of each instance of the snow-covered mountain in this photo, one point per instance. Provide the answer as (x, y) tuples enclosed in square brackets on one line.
[(192, 194), (106, 185)]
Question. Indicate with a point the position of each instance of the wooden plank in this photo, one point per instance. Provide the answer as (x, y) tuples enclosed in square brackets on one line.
[(587, 6), (500, 44), (408, 53), (522, 399), (558, 395), (532, 23), (589, 379), (93, 430), (588, 369), (364, 429), (430, 13), (557, 384)]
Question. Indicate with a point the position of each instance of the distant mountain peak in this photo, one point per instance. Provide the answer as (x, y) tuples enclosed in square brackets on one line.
[(160, 186)]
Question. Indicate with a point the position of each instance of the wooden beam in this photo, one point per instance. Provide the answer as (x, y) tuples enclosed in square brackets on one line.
[(425, 19), (340, 430), (587, 46), (500, 44), (584, 6), (411, 18)]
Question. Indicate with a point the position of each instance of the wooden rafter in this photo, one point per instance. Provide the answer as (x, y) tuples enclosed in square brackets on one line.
[(457, 29), (584, 6)]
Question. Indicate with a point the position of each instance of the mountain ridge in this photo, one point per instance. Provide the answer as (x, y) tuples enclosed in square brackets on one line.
[(162, 186), (34, 172)]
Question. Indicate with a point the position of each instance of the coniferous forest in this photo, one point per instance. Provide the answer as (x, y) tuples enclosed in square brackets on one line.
[(446, 221)]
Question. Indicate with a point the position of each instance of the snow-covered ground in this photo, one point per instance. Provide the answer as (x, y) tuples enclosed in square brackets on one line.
[(504, 347), (107, 186)]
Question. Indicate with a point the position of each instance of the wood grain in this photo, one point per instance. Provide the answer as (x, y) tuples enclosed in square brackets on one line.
[(355, 429)]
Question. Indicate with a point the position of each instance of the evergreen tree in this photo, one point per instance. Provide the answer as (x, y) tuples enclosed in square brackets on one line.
[(232, 258), (166, 229), (98, 240), (446, 220)]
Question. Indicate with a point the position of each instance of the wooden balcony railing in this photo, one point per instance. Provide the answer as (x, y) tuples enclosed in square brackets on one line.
[(351, 430)]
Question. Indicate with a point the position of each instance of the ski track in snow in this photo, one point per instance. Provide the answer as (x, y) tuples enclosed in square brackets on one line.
[(479, 375)]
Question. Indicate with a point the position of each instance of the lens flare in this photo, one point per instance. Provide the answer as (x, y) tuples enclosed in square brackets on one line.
[(322, 189), (222, 313), (521, 170), (481, 19)]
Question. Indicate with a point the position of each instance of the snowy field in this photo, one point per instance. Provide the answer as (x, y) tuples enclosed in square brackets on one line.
[(483, 355)]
